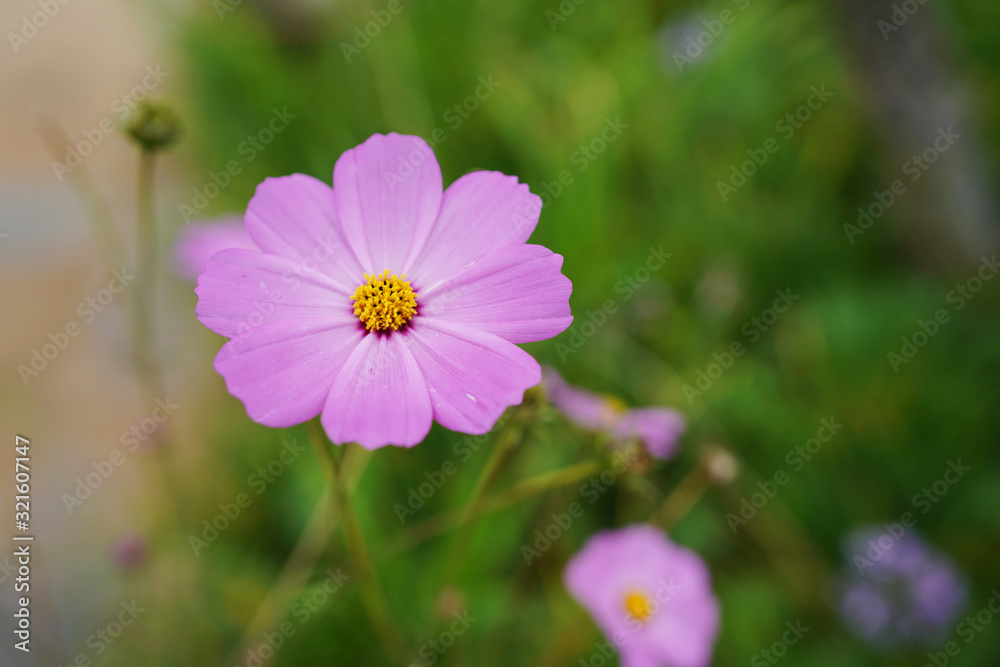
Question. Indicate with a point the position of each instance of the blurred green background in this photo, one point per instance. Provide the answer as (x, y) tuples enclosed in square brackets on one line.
[(557, 84)]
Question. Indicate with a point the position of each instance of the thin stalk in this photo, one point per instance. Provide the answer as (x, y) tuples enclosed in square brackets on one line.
[(446, 521), (511, 438), (680, 501), (301, 562), (372, 596), (143, 310)]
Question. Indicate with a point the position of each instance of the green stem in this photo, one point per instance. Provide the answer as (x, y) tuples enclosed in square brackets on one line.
[(372, 596), (143, 310), (680, 501), (446, 521), (511, 438), (302, 560)]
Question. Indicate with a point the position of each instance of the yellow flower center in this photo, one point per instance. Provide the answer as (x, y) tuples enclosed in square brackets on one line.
[(385, 302), (638, 606)]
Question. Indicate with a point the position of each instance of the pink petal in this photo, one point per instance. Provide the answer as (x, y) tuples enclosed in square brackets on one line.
[(197, 242), (283, 370), (241, 289), (379, 398), (290, 335), (517, 293), (295, 217), (480, 212), (657, 428), (583, 408), (472, 375), (388, 192)]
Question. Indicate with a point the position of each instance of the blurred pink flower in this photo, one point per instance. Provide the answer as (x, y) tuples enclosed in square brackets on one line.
[(652, 599), (657, 428), (130, 551), (200, 240), (385, 302)]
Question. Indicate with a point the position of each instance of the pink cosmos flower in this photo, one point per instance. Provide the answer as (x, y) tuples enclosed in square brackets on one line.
[(657, 428), (650, 597), (385, 302), (200, 240)]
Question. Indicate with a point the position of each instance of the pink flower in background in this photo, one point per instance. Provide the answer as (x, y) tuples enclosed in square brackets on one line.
[(200, 240), (130, 551), (385, 302), (657, 428), (652, 599)]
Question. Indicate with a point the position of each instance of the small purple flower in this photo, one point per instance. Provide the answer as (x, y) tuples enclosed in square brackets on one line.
[(130, 551), (650, 597), (899, 590), (200, 240), (385, 302), (657, 428)]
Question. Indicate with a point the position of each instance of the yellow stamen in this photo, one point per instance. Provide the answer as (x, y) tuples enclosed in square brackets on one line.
[(385, 302), (638, 606)]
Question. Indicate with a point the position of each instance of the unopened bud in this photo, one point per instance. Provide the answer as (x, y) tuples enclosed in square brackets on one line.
[(153, 125)]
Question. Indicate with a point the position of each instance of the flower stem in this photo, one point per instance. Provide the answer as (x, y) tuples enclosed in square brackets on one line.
[(302, 560), (511, 438), (372, 596), (515, 493), (680, 501), (143, 309)]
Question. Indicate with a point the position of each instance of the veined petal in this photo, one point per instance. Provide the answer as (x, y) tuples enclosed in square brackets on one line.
[(472, 375), (388, 192), (283, 370), (379, 398), (517, 293), (480, 212), (295, 217), (242, 289)]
